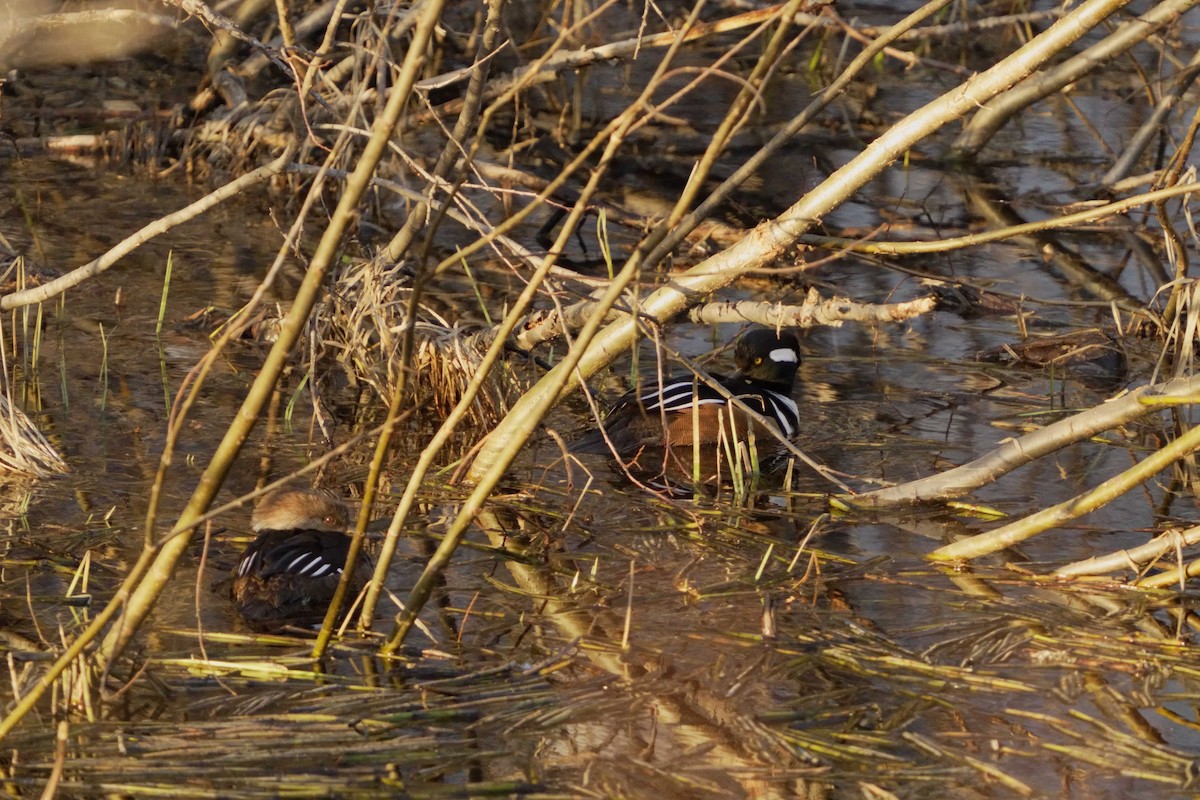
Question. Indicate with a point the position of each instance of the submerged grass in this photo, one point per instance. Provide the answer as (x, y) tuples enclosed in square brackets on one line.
[(509, 703)]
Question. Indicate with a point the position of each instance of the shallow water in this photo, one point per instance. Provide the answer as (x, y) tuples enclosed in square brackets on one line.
[(644, 672), (889, 403)]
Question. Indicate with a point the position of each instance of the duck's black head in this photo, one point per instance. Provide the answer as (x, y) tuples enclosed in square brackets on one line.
[(767, 356)]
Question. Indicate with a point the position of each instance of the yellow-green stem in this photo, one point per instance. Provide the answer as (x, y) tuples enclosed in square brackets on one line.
[(158, 575), (1019, 531)]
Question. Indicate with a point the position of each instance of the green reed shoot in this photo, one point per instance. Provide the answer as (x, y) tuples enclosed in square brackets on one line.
[(166, 378), (162, 313), (162, 303), (22, 279), (62, 356), (103, 368), (602, 236), (291, 406), (31, 369), (763, 562), (81, 576), (478, 294), (62, 380)]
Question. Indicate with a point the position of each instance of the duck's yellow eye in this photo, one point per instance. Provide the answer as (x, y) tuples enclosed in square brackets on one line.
[(758, 360)]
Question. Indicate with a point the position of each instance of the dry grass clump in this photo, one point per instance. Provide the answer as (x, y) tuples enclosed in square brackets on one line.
[(372, 310), (24, 450)]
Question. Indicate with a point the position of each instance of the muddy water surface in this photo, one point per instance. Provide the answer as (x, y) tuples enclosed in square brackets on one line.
[(645, 671)]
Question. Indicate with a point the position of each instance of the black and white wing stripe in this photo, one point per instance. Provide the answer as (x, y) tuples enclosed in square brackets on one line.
[(775, 406), (784, 411), (685, 393), (310, 554), (681, 394)]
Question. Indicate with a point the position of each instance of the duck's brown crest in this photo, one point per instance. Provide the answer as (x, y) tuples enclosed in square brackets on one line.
[(300, 509)]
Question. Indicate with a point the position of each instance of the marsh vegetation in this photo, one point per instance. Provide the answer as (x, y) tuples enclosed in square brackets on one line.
[(409, 253)]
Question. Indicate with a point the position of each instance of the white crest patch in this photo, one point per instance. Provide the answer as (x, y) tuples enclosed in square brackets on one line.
[(781, 354)]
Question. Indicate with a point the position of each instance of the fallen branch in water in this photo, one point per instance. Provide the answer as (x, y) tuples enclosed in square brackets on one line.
[(1027, 528), (1136, 557), (40, 294), (812, 312), (1019, 452), (545, 325)]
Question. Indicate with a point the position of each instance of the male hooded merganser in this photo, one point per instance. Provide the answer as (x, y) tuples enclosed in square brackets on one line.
[(288, 575), (654, 416)]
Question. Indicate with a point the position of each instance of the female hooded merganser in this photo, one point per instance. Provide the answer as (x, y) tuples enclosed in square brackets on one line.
[(654, 416), (288, 575)]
